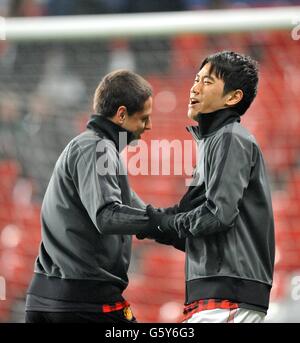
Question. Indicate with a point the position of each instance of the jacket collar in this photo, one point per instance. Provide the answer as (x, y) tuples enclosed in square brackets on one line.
[(208, 123), (101, 125)]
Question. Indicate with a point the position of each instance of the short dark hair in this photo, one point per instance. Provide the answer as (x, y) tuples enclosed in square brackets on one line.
[(121, 88), (238, 72)]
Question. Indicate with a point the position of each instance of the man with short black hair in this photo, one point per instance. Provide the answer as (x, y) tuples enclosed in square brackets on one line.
[(230, 236)]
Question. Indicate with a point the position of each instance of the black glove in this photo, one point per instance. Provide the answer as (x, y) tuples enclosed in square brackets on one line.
[(158, 224), (158, 220), (194, 197)]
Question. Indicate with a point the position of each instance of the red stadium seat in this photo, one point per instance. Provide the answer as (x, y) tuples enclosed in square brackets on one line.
[(9, 171), (160, 284), (162, 261), (294, 186), (186, 51), (5, 306), (280, 285)]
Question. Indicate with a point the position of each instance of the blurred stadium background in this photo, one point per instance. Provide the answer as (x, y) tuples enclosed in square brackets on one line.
[(46, 88)]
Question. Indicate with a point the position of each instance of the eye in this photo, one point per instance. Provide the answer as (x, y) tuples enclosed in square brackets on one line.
[(196, 80)]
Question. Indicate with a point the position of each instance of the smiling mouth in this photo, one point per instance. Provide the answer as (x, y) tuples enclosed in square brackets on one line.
[(193, 101)]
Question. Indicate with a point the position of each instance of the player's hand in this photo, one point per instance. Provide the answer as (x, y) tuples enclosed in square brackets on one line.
[(152, 234), (159, 221), (158, 225)]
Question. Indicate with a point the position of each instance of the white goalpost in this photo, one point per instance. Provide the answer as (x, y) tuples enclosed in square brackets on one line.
[(154, 24)]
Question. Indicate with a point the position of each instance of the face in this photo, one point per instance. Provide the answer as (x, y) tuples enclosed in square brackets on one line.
[(139, 121), (206, 94)]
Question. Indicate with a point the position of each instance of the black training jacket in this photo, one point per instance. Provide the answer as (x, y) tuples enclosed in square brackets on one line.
[(88, 215), (230, 254)]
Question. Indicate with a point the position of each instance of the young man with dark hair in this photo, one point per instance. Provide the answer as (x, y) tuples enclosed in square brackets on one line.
[(89, 213), (230, 236)]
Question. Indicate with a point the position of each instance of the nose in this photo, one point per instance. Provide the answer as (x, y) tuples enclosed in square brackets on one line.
[(195, 88)]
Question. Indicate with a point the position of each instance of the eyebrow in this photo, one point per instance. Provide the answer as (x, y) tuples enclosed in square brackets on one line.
[(206, 76)]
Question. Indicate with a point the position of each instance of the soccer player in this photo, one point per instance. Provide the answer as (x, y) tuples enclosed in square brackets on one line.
[(89, 213), (230, 236)]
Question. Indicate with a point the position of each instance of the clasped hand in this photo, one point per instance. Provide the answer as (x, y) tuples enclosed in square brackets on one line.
[(160, 222)]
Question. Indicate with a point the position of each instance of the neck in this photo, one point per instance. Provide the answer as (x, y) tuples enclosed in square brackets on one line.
[(120, 136), (208, 123)]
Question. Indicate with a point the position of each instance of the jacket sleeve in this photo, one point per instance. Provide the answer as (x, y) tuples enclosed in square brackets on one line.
[(100, 193), (177, 243), (227, 174), (137, 202)]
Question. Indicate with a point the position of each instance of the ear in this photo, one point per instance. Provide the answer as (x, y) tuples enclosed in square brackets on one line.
[(233, 97), (120, 115)]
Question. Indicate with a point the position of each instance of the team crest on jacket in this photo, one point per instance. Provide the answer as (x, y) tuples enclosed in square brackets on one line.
[(128, 313)]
